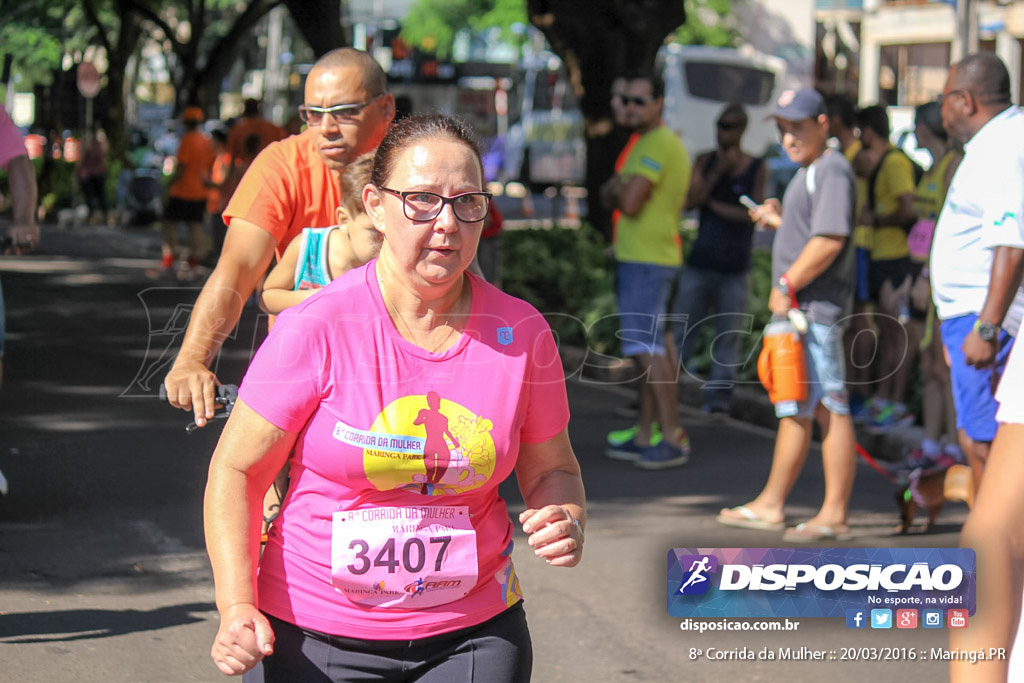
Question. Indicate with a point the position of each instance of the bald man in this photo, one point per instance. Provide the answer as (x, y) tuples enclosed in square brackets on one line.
[(976, 254), (292, 184)]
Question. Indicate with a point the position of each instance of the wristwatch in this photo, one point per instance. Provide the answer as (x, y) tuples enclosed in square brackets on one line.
[(783, 285), (987, 331)]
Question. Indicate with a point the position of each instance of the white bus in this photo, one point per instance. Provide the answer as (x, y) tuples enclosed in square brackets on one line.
[(700, 80)]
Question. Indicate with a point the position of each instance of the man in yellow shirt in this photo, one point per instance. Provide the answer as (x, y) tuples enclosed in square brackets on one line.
[(889, 210), (649, 191)]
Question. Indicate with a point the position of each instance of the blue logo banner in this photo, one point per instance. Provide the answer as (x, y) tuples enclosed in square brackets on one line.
[(818, 582)]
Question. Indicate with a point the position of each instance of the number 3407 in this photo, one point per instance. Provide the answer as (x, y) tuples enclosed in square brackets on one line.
[(412, 557)]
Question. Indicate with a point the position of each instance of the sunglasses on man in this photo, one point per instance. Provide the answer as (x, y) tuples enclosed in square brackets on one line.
[(342, 113), (626, 100)]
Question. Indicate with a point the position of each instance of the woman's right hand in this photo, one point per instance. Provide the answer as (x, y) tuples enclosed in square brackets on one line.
[(243, 639)]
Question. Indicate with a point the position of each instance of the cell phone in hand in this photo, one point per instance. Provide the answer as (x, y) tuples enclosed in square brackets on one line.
[(748, 202)]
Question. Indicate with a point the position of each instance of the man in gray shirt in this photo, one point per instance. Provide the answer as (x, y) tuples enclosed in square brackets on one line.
[(812, 267)]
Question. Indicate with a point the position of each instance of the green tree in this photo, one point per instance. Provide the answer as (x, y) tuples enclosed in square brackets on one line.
[(201, 39), (713, 22), (597, 40), (432, 25)]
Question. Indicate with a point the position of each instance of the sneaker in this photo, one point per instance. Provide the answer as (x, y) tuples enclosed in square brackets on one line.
[(663, 456), (620, 436), (893, 418), (868, 411), (628, 451)]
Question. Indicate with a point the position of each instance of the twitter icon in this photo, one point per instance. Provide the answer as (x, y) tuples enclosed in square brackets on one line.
[(881, 618)]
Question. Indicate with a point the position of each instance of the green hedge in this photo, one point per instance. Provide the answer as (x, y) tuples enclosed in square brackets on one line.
[(568, 275)]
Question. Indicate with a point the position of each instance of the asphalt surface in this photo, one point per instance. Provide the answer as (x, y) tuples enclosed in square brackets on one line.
[(103, 573)]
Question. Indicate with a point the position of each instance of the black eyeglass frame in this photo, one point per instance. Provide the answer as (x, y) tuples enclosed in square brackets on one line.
[(444, 200), (339, 112)]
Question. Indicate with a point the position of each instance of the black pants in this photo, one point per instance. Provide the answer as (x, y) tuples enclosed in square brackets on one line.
[(496, 651)]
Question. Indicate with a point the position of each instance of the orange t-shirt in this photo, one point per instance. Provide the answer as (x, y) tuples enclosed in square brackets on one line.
[(217, 197), (244, 127), (287, 188), (197, 156)]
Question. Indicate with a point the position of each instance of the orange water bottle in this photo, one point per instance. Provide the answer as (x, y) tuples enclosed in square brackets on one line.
[(781, 367)]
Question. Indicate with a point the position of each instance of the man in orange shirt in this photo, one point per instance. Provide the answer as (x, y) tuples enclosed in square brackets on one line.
[(187, 194), (292, 184), (251, 123)]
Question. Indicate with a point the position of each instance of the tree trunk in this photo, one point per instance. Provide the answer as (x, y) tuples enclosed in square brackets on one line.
[(320, 23), (598, 40)]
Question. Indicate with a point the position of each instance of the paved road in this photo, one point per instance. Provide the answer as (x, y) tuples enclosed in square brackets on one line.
[(103, 576)]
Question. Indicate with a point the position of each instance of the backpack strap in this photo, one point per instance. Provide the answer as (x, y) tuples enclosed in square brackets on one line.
[(873, 180)]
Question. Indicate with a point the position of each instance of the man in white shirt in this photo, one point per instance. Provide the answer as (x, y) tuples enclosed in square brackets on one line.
[(988, 209), (974, 255)]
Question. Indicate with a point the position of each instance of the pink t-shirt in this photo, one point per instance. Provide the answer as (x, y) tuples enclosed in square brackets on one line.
[(12, 144), (399, 459)]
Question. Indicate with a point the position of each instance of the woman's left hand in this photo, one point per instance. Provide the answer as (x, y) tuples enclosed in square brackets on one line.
[(554, 534)]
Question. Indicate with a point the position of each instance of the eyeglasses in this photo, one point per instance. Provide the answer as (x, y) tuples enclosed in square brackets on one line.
[(468, 207), (941, 97), (342, 113), (729, 125), (626, 100)]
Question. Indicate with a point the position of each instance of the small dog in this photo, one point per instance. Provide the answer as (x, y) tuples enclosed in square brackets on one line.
[(931, 491), (74, 217)]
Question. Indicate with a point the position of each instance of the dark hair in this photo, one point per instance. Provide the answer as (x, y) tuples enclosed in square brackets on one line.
[(735, 109), (252, 144), (219, 134), (656, 81), (354, 178), (929, 115), (842, 107), (985, 75), (412, 129), (874, 118)]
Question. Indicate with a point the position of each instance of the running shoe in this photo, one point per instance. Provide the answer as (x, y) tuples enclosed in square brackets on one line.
[(868, 411), (663, 456), (628, 451), (892, 418), (620, 436)]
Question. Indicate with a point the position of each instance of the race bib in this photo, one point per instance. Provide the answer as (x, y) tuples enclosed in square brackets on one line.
[(404, 557), (919, 240)]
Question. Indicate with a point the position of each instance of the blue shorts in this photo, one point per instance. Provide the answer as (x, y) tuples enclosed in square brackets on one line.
[(643, 291), (972, 388), (496, 651), (826, 374)]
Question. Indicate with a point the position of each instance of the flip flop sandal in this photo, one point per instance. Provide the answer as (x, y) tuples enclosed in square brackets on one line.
[(814, 533), (747, 519)]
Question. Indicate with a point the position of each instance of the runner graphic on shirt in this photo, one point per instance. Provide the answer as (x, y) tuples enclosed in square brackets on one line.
[(436, 453), (441, 450)]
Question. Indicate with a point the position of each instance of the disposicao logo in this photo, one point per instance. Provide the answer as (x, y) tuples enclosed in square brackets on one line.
[(697, 579), (821, 582)]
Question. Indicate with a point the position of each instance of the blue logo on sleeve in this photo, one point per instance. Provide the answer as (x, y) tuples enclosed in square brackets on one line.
[(504, 336), (881, 618), (856, 618)]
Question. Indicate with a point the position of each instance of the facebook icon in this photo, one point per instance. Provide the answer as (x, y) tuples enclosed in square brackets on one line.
[(855, 618)]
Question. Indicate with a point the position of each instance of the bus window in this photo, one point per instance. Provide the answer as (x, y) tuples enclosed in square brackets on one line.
[(724, 82)]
